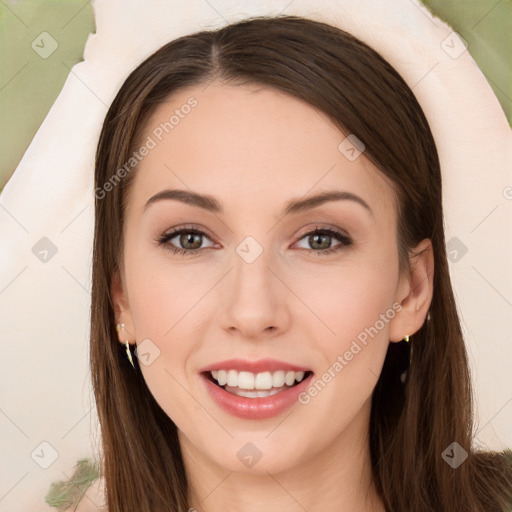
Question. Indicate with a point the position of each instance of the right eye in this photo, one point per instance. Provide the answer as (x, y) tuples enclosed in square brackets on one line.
[(185, 237)]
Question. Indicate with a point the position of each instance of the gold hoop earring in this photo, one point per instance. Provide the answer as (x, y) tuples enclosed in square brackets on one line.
[(403, 375), (129, 354), (127, 344)]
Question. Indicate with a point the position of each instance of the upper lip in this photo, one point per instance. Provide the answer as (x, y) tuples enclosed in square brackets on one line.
[(260, 365)]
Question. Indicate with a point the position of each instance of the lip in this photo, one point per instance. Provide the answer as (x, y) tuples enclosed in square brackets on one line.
[(255, 408), (261, 365)]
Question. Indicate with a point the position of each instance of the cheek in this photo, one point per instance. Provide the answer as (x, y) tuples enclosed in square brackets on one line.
[(357, 310), (355, 304), (349, 298), (163, 309), (163, 296), (163, 312), (359, 301)]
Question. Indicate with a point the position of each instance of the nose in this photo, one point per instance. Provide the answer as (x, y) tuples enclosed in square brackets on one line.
[(254, 300)]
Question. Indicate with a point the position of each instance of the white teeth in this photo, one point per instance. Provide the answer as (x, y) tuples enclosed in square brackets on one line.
[(289, 378), (222, 377), (232, 378), (260, 381), (249, 393), (278, 379), (245, 380)]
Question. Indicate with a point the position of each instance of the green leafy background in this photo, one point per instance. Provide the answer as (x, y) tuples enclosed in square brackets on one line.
[(29, 84)]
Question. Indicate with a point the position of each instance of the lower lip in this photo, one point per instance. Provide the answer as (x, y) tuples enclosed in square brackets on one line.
[(255, 408)]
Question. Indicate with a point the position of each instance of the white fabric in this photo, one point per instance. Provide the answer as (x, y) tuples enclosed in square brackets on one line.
[(46, 393)]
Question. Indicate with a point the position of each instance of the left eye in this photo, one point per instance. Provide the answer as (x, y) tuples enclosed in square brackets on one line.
[(321, 237), (190, 240)]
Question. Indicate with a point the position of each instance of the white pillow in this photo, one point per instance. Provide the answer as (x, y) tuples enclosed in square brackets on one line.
[(45, 305)]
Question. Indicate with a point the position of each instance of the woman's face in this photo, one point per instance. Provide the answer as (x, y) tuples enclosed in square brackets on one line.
[(261, 294)]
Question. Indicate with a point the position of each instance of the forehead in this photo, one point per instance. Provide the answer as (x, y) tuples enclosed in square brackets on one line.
[(248, 144)]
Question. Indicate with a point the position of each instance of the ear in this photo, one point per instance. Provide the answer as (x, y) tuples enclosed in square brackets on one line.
[(121, 309), (414, 293)]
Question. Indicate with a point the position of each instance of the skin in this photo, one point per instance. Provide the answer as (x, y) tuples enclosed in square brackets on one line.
[(291, 303)]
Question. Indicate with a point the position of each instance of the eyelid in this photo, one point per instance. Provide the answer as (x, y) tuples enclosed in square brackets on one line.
[(321, 227), (187, 228), (196, 228)]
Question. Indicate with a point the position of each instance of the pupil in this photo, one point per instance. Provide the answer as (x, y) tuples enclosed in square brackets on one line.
[(325, 237), (189, 238)]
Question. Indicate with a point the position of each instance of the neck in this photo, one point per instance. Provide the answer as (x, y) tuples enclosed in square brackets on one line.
[(338, 478)]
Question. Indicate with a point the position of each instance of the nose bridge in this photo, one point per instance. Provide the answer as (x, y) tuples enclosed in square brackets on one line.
[(254, 301), (252, 276), (251, 266)]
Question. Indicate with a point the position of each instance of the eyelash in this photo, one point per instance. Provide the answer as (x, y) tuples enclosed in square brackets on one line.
[(345, 240)]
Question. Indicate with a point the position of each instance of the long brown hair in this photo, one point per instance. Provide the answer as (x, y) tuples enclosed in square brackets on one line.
[(412, 422)]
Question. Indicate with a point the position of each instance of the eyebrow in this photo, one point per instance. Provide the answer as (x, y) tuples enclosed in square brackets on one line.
[(211, 204)]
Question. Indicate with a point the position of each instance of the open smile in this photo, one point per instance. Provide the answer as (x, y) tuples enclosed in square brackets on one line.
[(255, 394)]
